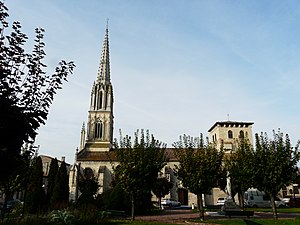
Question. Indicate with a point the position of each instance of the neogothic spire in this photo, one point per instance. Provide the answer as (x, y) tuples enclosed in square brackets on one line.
[(104, 69)]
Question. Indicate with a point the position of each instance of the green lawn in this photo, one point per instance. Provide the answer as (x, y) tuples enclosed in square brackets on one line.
[(225, 221), (295, 221)]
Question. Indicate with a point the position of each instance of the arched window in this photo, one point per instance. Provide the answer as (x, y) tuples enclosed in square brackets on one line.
[(98, 129), (242, 134), (230, 135), (100, 100), (105, 101)]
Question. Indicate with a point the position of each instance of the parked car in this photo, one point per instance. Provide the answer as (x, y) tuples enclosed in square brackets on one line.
[(221, 201), (170, 202), (255, 198)]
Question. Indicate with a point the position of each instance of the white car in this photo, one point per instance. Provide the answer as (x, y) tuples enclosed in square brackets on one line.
[(221, 201), (170, 202)]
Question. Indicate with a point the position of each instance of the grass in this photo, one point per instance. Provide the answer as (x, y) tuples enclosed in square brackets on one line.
[(294, 221), (33, 220), (279, 210)]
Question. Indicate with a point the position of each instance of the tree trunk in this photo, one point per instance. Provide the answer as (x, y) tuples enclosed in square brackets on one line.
[(200, 206), (274, 207), (132, 209), (159, 202)]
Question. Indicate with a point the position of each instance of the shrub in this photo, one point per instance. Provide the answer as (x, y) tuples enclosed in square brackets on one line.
[(62, 217)]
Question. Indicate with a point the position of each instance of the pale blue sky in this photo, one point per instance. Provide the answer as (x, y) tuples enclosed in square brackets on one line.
[(177, 66)]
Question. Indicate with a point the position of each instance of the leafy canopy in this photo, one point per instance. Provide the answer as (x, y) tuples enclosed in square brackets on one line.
[(138, 165), (26, 91)]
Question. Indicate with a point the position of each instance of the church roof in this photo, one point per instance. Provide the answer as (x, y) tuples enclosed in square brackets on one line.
[(230, 123), (111, 155)]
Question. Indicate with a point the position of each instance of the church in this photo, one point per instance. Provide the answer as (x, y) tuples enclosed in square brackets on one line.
[(94, 156)]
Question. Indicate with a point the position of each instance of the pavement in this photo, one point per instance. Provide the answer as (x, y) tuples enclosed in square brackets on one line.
[(184, 216)]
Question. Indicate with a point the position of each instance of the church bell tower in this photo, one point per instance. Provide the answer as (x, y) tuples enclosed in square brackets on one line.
[(98, 135)]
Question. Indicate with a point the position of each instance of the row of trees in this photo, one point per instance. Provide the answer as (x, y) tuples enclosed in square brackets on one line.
[(270, 166), (41, 198)]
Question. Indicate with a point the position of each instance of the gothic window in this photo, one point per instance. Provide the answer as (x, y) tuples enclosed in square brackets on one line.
[(230, 135), (100, 100), (242, 134), (106, 100), (95, 100), (98, 129)]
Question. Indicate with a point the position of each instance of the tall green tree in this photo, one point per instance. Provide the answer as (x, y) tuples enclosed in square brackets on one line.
[(239, 165), (139, 164), (51, 179), (161, 188), (60, 196), (35, 195), (200, 166), (275, 162), (26, 91)]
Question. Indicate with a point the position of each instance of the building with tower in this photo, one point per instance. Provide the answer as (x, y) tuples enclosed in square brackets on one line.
[(94, 155), (227, 133), (97, 135)]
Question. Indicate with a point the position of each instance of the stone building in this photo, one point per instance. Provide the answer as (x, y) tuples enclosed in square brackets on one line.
[(95, 153)]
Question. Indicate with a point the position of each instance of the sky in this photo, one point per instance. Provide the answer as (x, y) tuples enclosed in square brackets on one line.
[(177, 66)]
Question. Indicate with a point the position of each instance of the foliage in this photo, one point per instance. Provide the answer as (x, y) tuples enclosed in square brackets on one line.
[(88, 181), (60, 195), (161, 188), (26, 92), (62, 217), (19, 179), (240, 168), (275, 164), (51, 179), (139, 164), (114, 199), (200, 166), (90, 215), (85, 199), (88, 186), (35, 195)]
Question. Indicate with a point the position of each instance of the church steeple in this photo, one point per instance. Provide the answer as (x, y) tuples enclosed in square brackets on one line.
[(100, 120), (104, 69)]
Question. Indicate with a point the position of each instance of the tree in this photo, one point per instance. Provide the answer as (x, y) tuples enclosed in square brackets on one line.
[(35, 195), (139, 164), (161, 188), (88, 186), (60, 196), (26, 92), (239, 166), (200, 166), (51, 179), (275, 163), (18, 181)]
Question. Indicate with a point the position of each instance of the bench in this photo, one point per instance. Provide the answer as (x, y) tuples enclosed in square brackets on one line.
[(238, 213)]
